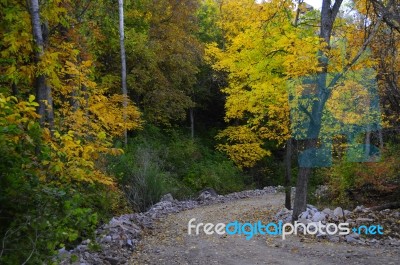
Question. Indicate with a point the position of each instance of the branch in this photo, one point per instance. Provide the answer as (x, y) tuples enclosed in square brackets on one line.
[(388, 13), (356, 57), (306, 112), (335, 8), (33, 247)]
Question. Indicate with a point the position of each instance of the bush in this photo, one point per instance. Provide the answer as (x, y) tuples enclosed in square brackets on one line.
[(157, 162), (222, 175), (365, 183), (39, 212), (141, 176)]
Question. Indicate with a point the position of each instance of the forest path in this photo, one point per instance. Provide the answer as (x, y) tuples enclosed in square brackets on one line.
[(169, 242)]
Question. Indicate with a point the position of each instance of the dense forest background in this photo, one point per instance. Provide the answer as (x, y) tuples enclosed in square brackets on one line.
[(213, 94)]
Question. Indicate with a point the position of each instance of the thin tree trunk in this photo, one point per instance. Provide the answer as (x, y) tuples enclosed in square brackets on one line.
[(380, 136), (288, 174), (43, 91), (296, 20), (367, 142), (300, 201), (15, 91), (191, 123), (123, 65)]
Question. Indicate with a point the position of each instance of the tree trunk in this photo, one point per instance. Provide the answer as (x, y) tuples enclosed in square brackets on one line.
[(192, 123), (328, 16), (43, 91), (288, 174), (14, 89), (367, 143), (123, 64), (380, 136)]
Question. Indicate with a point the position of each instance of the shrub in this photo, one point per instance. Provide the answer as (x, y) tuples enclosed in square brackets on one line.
[(354, 183), (159, 162), (40, 212)]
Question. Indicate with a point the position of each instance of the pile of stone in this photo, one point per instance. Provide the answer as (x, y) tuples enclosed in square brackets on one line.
[(387, 219), (116, 240)]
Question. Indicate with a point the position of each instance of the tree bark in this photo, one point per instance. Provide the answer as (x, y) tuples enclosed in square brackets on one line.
[(14, 89), (328, 16), (43, 91), (123, 65), (380, 136), (191, 122), (288, 174), (367, 142)]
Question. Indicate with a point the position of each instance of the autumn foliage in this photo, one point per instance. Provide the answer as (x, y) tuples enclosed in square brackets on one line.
[(241, 74)]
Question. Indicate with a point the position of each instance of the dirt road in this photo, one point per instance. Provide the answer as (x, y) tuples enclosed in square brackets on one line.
[(169, 242)]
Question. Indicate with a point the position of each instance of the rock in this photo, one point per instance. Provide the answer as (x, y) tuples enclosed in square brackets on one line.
[(204, 196), (338, 212), (354, 235), (363, 220), (106, 239), (63, 254), (318, 216), (211, 191), (313, 228), (282, 212), (304, 221), (373, 241), (86, 242), (394, 242), (327, 211), (270, 189), (167, 198), (112, 260), (121, 235), (211, 194), (334, 239), (280, 189), (312, 207), (285, 215), (359, 209), (82, 248), (350, 239), (304, 215)]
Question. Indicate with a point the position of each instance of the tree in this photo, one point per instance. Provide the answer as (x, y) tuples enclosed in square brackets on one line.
[(43, 91), (328, 16), (168, 95), (123, 64), (323, 89), (260, 55)]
